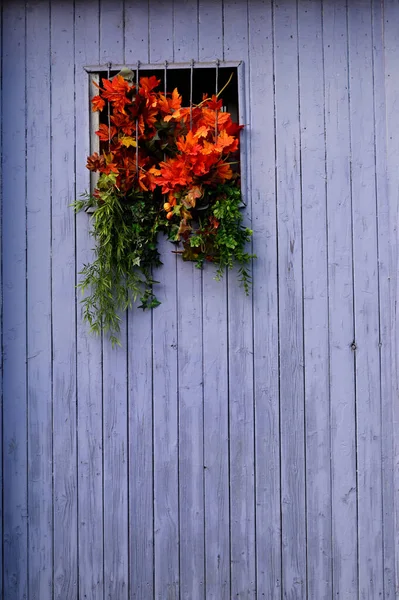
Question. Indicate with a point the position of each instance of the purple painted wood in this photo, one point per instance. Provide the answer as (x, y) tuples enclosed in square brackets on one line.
[(290, 290), (1, 329), (240, 352), (165, 372), (340, 282), (140, 369), (386, 302), (391, 284), (63, 303), (315, 291), (215, 374), (115, 392), (154, 522), (265, 299), (191, 424), (366, 303), (40, 435), (89, 367), (15, 522)]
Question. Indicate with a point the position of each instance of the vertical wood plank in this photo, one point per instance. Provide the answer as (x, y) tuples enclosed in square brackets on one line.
[(111, 32), (293, 475), (89, 367), (63, 305), (215, 374), (391, 373), (141, 477), (14, 304), (115, 409), (189, 319), (340, 284), (315, 290), (63, 301), (265, 298), (385, 243), (1, 313), (367, 331), (210, 30), (165, 369), (39, 302), (240, 331)]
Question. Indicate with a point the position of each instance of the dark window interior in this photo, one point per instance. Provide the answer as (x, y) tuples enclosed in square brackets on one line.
[(204, 81)]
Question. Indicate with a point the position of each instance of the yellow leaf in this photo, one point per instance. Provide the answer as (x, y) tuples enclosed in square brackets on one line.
[(127, 141)]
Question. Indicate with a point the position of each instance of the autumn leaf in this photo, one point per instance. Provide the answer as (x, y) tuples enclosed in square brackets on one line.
[(128, 141), (95, 162), (104, 133), (202, 132), (97, 103)]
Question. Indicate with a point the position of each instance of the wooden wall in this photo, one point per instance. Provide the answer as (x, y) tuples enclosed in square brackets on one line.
[(234, 447)]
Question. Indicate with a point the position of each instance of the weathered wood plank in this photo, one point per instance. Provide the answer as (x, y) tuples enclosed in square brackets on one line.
[(115, 408), (315, 290), (140, 368), (385, 301), (240, 332), (63, 302), (210, 30), (89, 367), (63, 305), (1, 324), (112, 35), (190, 373), (38, 167), (15, 531), (391, 284), (366, 302), (340, 284), (293, 473), (216, 426), (265, 298), (165, 372), (215, 374)]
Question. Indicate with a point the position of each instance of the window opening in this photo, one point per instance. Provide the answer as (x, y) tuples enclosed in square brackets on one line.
[(192, 81)]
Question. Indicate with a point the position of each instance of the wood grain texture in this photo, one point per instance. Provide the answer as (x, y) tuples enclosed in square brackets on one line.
[(89, 365), (63, 302), (240, 332), (190, 374), (215, 376), (391, 284), (340, 282), (235, 447), (265, 299), (165, 372), (315, 291), (115, 393), (140, 369), (15, 467), (39, 303), (290, 260), (1, 323), (385, 302), (366, 303)]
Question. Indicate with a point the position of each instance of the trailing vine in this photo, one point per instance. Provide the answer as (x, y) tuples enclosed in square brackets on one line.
[(162, 168)]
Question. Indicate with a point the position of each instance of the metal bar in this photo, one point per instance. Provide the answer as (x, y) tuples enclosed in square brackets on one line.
[(137, 124), (191, 92), (109, 110), (216, 93), (159, 66)]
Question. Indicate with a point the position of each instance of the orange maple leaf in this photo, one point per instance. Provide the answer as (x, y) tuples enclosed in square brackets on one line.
[(97, 103)]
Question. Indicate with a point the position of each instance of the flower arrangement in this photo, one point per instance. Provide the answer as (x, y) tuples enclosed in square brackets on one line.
[(162, 168)]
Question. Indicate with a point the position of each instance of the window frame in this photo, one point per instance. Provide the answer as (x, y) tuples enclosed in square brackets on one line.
[(93, 73)]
